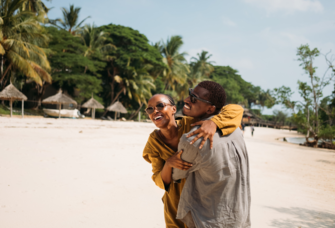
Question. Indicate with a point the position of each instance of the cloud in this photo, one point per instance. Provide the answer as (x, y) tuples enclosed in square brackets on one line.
[(229, 22), (288, 6), (283, 38), (294, 39)]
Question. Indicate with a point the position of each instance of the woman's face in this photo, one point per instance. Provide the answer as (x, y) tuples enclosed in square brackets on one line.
[(161, 118)]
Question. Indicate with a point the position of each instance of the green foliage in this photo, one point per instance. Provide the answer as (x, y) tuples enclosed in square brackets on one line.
[(279, 116), (177, 69), (95, 41), (111, 62), (240, 91), (6, 111), (70, 19), (312, 112), (133, 60), (236, 88), (283, 96), (256, 112), (69, 63), (200, 70), (327, 132), (22, 39), (35, 6)]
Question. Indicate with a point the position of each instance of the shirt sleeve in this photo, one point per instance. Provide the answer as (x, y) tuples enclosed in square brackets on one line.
[(157, 164), (191, 155), (229, 118)]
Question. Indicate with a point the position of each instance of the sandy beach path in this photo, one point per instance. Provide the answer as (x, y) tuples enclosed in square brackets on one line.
[(85, 173)]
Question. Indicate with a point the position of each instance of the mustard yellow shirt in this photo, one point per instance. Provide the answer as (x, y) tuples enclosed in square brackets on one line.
[(157, 152)]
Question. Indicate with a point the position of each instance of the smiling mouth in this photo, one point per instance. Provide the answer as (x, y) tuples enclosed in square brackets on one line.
[(186, 106), (158, 117)]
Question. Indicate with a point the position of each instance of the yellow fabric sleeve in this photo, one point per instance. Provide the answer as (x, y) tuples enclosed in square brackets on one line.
[(229, 118), (157, 164)]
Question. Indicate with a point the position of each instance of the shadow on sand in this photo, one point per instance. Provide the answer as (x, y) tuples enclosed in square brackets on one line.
[(304, 218), (325, 161)]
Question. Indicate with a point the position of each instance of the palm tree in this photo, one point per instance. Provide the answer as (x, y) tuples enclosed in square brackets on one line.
[(201, 68), (137, 83), (35, 6), (70, 19), (177, 67), (95, 41), (21, 39)]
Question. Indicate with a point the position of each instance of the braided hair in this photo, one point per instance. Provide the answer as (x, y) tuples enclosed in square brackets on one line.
[(169, 98)]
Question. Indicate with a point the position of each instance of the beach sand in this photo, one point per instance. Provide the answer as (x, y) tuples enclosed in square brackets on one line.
[(90, 173)]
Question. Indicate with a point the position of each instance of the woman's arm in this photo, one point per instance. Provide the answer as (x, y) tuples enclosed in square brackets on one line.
[(227, 121), (162, 170), (174, 161)]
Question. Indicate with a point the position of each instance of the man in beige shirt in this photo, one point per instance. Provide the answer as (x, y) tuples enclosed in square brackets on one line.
[(217, 189)]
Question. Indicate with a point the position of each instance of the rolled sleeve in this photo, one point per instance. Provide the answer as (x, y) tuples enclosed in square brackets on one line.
[(229, 118)]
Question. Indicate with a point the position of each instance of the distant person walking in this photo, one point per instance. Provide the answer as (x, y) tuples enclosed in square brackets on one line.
[(252, 130), (242, 127)]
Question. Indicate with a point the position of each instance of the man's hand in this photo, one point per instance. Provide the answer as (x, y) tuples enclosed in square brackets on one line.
[(207, 130), (175, 161)]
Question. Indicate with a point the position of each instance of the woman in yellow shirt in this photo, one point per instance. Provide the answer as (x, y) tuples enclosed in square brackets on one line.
[(162, 144)]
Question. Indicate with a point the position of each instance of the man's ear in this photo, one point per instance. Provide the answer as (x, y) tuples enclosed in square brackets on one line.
[(211, 110)]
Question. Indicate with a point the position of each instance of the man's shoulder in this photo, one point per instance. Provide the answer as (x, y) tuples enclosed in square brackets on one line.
[(219, 139), (185, 141)]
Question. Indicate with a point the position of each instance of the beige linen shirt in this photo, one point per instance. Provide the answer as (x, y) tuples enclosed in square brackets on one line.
[(216, 193)]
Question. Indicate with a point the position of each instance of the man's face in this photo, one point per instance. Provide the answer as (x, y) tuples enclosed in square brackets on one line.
[(199, 109)]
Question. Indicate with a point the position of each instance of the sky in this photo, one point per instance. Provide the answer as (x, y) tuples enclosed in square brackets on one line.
[(259, 38)]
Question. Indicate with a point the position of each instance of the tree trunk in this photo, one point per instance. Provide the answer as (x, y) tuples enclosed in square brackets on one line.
[(3, 76), (5, 82), (135, 113), (40, 94), (1, 65), (313, 143), (316, 108), (308, 128), (117, 96), (112, 85)]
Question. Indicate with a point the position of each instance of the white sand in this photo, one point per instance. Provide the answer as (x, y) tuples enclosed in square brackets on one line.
[(90, 174)]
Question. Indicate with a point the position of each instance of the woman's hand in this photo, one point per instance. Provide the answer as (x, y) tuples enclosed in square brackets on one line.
[(175, 161), (207, 130)]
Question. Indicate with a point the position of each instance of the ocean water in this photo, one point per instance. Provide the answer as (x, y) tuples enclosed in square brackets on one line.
[(299, 140)]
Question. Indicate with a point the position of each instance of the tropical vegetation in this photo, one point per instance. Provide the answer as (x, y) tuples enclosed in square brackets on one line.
[(314, 113), (112, 62)]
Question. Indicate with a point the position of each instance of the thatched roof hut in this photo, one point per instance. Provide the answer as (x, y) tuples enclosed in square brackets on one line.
[(11, 93), (117, 107), (93, 104), (59, 99)]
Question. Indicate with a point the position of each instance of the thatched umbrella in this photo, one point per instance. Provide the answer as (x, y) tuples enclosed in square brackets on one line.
[(93, 104), (59, 99), (117, 107), (11, 93)]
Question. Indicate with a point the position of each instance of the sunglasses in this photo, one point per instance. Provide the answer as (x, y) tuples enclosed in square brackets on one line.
[(160, 107), (194, 98)]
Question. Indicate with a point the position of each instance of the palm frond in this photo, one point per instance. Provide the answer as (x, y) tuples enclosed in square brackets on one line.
[(24, 66)]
